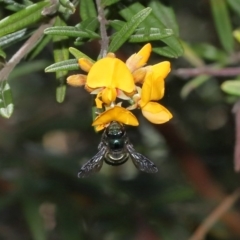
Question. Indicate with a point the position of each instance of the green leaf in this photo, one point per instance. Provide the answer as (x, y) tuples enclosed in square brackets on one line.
[(127, 30), (26, 68), (61, 92), (67, 4), (2, 53), (89, 24), (60, 53), (78, 54), (67, 65), (106, 3), (12, 38), (210, 52), (87, 9), (40, 46), (15, 6), (33, 218), (116, 24), (193, 84), (165, 14), (223, 24), (71, 32), (191, 56), (22, 19), (235, 5), (152, 34), (6, 103), (173, 46), (231, 87)]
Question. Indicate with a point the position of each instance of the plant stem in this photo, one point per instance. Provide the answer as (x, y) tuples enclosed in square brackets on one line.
[(24, 50), (103, 31)]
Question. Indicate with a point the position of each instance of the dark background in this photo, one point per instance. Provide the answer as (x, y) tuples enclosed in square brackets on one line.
[(44, 143)]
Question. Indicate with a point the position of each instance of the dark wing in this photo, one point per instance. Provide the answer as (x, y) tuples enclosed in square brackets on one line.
[(93, 165), (141, 162)]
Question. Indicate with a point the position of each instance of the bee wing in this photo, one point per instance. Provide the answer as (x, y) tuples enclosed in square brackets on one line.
[(93, 165), (141, 162)]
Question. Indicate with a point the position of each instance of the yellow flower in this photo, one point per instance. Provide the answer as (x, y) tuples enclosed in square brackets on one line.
[(153, 90), (110, 78), (140, 58), (110, 74), (106, 76), (118, 114)]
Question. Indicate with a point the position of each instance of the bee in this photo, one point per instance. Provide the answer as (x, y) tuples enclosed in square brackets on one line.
[(115, 149)]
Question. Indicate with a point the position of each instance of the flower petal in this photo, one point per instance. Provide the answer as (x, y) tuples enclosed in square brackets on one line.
[(155, 85), (98, 102), (111, 72), (146, 89), (118, 114), (111, 55), (156, 113), (139, 59), (77, 80), (109, 95), (161, 69), (85, 64), (139, 75)]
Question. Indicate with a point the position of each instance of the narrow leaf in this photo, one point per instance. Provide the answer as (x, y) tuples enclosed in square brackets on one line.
[(14, 37), (231, 87), (152, 34), (14, 6), (235, 5), (89, 24), (33, 218), (116, 24), (193, 84), (223, 24), (78, 54), (106, 3), (22, 18), (127, 30), (6, 103), (67, 4), (173, 48), (70, 32), (40, 46), (67, 65), (87, 9), (26, 68), (60, 53), (166, 51), (61, 92), (2, 53), (165, 14)]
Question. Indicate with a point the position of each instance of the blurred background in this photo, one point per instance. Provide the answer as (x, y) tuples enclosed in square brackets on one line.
[(44, 144)]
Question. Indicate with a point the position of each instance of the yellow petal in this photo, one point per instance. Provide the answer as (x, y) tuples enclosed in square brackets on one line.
[(161, 69), (77, 80), (111, 55), (85, 64), (155, 86), (139, 59), (111, 72), (118, 114), (109, 95), (139, 75), (146, 89), (99, 127), (98, 102), (156, 113)]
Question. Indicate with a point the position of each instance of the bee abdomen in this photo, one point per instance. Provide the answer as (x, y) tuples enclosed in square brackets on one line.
[(116, 158)]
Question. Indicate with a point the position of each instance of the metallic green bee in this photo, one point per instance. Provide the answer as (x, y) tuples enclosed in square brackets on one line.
[(115, 149)]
